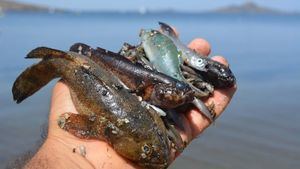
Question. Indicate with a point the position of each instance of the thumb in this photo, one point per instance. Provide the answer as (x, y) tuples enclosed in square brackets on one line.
[(61, 102)]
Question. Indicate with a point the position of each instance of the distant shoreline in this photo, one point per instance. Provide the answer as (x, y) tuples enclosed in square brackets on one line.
[(134, 13), (247, 8), (14, 6)]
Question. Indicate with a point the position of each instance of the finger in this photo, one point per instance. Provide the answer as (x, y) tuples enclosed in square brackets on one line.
[(201, 46), (186, 132), (221, 96), (61, 102), (220, 59), (220, 99)]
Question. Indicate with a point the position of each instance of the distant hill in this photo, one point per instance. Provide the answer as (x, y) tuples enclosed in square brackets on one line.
[(10, 5), (248, 7)]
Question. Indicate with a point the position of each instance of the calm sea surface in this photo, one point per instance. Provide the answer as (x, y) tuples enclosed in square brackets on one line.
[(261, 127)]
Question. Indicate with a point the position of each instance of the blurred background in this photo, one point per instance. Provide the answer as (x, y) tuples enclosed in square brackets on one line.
[(260, 128)]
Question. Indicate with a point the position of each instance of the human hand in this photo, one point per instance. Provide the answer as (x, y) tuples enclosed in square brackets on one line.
[(63, 150)]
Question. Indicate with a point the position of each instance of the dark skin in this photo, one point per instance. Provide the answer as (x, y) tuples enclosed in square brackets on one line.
[(58, 150)]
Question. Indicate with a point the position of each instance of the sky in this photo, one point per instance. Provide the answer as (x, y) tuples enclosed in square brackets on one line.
[(182, 5)]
